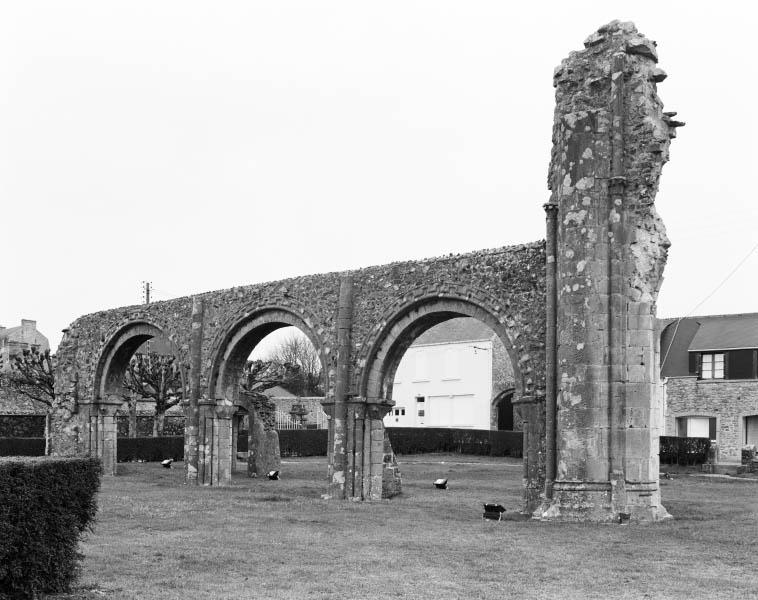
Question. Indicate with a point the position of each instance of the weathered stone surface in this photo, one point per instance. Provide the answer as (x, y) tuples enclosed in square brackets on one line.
[(608, 249), (610, 141), (392, 305), (726, 400)]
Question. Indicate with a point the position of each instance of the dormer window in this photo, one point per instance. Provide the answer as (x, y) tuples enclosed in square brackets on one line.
[(712, 365)]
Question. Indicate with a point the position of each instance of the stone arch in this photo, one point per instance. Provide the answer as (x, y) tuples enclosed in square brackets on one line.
[(238, 338), (117, 351), (397, 331), (99, 412)]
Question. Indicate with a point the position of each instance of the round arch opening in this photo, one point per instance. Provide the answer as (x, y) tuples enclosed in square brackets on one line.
[(234, 351), (118, 352), (397, 336)]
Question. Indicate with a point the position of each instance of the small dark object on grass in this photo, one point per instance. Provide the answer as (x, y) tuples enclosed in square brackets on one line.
[(166, 464), (440, 484), (273, 475), (493, 511)]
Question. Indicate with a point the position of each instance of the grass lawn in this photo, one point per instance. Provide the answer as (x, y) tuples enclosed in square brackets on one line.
[(156, 538)]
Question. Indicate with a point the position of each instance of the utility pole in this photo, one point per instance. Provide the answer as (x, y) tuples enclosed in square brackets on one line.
[(146, 300)]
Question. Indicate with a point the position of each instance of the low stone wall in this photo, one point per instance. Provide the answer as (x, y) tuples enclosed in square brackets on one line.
[(730, 401)]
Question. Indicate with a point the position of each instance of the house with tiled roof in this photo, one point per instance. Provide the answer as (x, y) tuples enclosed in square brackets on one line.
[(456, 374), (19, 415), (709, 370)]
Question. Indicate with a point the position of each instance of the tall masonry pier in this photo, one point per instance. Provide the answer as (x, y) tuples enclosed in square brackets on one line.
[(606, 249)]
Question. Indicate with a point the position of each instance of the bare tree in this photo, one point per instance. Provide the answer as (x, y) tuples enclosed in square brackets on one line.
[(157, 377), (32, 375), (298, 350)]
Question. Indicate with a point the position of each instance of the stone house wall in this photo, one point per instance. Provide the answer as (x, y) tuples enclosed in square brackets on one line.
[(730, 401)]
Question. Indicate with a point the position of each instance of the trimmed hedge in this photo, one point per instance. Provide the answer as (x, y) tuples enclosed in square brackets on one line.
[(22, 446), (172, 426), (683, 450), (45, 505), (150, 449), (303, 442), (407, 440), (418, 440), (27, 426)]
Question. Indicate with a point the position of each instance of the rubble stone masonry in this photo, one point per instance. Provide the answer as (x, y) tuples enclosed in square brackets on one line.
[(610, 141), (730, 401)]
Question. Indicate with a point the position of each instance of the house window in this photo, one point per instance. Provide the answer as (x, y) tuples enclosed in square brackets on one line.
[(697, 427), (399, 411), (712, 366)]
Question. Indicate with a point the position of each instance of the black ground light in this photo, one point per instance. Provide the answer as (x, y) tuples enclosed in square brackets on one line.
[(273, 475), (493, 511), (440, 484)]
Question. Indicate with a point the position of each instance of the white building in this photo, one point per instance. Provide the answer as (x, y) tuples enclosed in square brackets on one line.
[(445, 379)]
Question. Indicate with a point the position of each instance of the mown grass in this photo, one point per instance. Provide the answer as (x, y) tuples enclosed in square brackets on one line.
[(156, 538)]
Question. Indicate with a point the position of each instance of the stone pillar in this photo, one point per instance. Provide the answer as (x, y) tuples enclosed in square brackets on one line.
[(222, 443), (235, 436), (205, 441), (338, 424), (192, 410), (100, 431), (551, 347), (611, 139), (215, 447), (532, 412), (366, 444)]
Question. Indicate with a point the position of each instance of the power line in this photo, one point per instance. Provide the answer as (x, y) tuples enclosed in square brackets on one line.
[(704, 300)]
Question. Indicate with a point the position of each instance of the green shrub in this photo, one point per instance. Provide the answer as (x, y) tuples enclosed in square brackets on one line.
[(45, 505), (418, 440), (22, 446), (682, 450), (150, 449), (27, 426), (303, 442)]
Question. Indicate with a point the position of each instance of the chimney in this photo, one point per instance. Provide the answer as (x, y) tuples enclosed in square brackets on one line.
[(28, 325)]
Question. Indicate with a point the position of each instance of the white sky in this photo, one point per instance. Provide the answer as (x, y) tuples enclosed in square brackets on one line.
[(206, 145)]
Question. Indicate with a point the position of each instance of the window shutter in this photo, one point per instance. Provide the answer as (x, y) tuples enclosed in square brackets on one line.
[(712, 428), (699, 364), (693, 363), (726, 366)]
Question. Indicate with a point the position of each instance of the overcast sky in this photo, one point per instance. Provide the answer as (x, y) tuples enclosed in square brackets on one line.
[(206, 145)]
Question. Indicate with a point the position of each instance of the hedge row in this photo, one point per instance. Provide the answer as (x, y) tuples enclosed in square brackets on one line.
[(407, 440), (683, 451), (45, 504), (172, 426), (411, 440), (150, 449), (27, 426), (303, 442), (22, 446)]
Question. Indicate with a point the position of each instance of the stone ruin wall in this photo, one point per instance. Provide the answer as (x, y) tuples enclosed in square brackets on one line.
[(610, 141), (599, 272), (507, 282)]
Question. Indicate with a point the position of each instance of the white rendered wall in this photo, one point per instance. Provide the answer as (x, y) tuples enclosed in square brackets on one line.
[(455, 380)]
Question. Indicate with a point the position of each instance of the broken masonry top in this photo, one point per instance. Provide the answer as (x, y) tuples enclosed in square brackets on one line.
[(614, 37)]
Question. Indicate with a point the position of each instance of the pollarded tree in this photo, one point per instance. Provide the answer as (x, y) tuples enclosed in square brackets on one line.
[(157, 377), (32, 374), (297, 350)]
